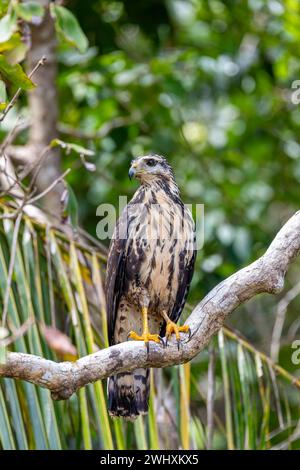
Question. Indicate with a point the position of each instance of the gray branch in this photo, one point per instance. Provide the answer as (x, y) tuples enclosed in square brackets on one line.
[(264, 275)]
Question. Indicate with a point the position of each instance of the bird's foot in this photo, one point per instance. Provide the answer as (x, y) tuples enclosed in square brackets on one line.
[(146, 337), (172, 328)]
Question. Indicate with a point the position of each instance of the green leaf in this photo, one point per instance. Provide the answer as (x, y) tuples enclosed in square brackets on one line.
[(17, 54), (100, 405), (140, 434), (30, 391), (8, 26), (2, 95), (3, 334), (16, 414), (15, 74), (68, 27), (3, 7), (30, 11), (11, 43), (2, 354), (81, 151), (69, 147), (153, 427), (6, 434), (227, 397)]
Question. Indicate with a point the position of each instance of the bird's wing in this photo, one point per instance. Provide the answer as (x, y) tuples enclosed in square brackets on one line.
[(115, 273), (185, 276)]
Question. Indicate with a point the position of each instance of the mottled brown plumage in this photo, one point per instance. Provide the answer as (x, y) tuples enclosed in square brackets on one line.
[(150, 266)]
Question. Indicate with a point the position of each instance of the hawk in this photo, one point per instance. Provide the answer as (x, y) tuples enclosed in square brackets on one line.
[(150, 266)]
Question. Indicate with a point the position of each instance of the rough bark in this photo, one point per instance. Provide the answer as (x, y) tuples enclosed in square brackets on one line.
[(43, 106), (43, 111), (264, 275)]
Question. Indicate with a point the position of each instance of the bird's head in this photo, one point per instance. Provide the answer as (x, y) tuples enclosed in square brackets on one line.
[(150, 168)]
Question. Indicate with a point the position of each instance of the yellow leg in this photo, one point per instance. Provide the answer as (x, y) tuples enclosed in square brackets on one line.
[(172, 328), (146, 336)]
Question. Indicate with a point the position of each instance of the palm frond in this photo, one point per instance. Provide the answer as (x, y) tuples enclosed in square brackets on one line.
[(58, 281)]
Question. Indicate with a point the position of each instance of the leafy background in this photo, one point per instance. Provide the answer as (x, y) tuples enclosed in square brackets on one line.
[(209, 85)]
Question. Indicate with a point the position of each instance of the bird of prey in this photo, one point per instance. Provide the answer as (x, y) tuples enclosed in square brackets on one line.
[(150, 266)]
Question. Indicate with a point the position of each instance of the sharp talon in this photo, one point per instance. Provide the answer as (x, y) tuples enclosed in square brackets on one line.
[(172, 328), (161, 341), (146, 337), (147, 347), (190, 334)]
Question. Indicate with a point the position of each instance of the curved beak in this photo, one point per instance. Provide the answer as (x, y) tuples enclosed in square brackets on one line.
[(131, 172)]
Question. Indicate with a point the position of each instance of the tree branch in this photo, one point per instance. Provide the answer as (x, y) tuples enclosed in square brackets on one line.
[(19, 91), (43, 110), (264, 275)]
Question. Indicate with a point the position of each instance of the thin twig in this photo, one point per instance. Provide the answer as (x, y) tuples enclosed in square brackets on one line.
[(9, 179), (19, 91), (11, 135), (17, 333), (11, 216), (35, 165), (49, 188), (295, 436)]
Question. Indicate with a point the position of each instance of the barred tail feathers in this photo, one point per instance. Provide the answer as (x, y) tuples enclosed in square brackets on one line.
[(128, 394)]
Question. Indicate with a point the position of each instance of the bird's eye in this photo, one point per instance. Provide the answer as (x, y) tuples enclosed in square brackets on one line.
[(151, 162)]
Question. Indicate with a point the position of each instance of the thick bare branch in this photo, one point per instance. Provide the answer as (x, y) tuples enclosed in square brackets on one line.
[(264, 275)]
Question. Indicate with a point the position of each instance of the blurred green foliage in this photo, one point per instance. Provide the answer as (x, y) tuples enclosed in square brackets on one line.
[(210, 85)]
